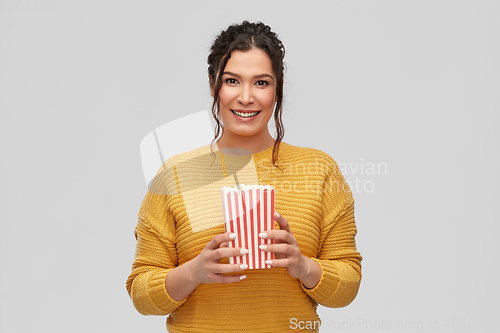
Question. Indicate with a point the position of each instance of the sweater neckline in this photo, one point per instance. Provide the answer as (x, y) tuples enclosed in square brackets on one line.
[(265, 152)]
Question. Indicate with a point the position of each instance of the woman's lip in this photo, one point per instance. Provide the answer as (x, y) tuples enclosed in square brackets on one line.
[(245, 119), (245, 111)]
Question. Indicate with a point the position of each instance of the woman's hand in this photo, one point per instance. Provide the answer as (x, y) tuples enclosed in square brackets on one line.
[(287, 254), (206, 267)]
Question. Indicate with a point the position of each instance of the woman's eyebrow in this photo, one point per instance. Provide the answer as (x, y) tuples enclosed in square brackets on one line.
[(264, 75), (256, 76)]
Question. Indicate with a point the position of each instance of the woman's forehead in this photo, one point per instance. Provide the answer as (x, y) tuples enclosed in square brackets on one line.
[(249, 63)]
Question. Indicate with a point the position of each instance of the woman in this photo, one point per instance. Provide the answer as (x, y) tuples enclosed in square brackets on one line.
[(182, 269)]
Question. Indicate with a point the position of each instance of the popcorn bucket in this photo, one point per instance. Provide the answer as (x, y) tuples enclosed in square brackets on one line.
[(248, 211)]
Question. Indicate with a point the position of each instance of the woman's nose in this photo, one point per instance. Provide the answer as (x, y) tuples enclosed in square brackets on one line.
[(246, 96)]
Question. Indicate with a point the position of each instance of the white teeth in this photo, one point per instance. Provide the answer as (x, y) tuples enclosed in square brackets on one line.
[(245, 115)]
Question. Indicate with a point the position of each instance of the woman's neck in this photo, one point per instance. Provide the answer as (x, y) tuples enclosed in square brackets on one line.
[(252, 145)]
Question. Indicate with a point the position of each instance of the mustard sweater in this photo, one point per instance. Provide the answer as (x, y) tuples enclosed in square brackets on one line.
[(182, 212)]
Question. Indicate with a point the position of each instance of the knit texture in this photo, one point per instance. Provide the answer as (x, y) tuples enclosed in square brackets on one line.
[(181, 213)]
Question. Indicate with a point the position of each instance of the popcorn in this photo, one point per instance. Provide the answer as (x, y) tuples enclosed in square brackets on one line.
[(248, 211)]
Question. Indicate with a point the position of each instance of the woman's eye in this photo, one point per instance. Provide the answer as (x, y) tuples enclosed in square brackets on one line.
[(231, 81), (262, 83)]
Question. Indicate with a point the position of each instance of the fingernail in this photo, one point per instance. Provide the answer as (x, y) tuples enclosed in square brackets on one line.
[(262, 247), (243, 277), (269, 262), (262, 235), (277, 215), (243, 251), (233, 236), (243, 266)]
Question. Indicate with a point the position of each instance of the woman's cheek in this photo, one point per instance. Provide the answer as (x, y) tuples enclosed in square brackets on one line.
[(224, 97), (267, 99)]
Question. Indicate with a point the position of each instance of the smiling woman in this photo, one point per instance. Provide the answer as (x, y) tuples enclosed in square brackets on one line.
[(183, 271), (247, 99), (246, 75)]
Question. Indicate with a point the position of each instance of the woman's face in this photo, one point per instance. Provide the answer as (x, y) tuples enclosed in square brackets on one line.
[(247, 96)]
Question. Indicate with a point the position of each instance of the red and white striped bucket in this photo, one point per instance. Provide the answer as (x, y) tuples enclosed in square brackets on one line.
[(248, 211)]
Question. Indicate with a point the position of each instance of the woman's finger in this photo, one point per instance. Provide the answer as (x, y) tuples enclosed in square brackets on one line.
[(283, 223), (284, 262), (219, 239), (229, 278), (229, 268), (279, 235), (281, 248), (226, 252)]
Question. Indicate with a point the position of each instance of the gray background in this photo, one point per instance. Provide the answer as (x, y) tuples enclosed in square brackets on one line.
[(412, 85)]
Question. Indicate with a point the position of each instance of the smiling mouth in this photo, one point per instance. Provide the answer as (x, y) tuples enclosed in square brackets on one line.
[(245, 114)]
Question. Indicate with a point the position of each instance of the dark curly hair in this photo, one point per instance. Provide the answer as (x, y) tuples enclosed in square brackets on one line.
[(243, 37)]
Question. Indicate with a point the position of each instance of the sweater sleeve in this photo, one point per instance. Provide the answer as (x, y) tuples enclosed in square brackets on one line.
[(338, 258), (155, 256)]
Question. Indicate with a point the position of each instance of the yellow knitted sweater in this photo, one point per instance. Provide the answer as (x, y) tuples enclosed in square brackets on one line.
[(182, 212)]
